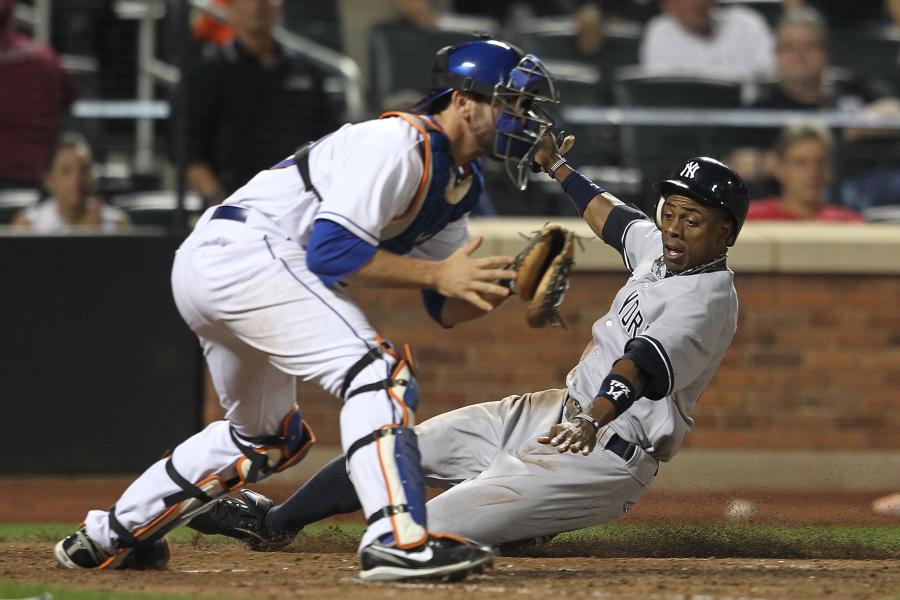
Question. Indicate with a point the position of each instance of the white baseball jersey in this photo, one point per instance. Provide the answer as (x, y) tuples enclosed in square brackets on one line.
[(368, 176), (740, 47), (688, 320)]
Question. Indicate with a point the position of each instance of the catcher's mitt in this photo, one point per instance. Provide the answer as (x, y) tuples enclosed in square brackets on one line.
[(542, 274)]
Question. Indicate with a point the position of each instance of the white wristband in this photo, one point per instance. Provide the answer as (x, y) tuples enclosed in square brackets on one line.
[(556, 165), (589, 419)]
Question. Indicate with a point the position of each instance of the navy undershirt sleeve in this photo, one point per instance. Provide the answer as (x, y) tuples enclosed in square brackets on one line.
[(333, 252), (434, 304), (651, 357), (617, 223)]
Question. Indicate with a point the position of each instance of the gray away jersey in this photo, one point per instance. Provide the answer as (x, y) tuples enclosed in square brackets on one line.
[(686, 323)]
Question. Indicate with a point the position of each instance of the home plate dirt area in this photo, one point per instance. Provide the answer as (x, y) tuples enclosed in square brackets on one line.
[(226, 570), (793, 546)]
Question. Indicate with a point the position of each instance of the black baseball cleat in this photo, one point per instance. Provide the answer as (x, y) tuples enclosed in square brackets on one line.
[(440, 557), (243, 520), (78, 551), (147, 556)]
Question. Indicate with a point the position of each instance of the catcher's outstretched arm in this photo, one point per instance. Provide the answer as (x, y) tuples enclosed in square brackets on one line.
[(459, 276)]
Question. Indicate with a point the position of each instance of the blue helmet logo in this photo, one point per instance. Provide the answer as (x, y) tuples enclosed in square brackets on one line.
[(519, 84)]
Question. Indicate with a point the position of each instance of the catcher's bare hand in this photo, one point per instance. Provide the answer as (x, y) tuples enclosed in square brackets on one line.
[(461, 276), (574, 436)]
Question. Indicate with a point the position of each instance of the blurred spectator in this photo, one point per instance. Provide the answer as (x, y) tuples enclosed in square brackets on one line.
[(426, 14), (635, 11), (35, 93), (316, 21), (802, 83), (592, 18), (71, 203), (589, 28), (801, 65), (842, 15), (210, 30), (695, 37), (803, 156), (250, 104)]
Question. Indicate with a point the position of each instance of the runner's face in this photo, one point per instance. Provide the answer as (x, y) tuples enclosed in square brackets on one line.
[(692, 233)]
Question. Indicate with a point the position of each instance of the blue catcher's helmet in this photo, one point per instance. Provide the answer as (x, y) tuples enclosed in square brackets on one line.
[(516, 82)]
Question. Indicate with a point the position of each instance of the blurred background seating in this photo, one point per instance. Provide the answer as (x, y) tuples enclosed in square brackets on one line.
[(650, 148), (14, 200), (401, 58), (156, 207), (127, 56), (770, 10)]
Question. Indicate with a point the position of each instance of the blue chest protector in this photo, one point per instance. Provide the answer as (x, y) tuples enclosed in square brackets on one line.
[(443, 201)]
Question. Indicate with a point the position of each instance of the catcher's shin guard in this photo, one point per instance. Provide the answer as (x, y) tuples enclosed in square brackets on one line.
[(181, 507), (399, 461), (401, 468), (275, 453)]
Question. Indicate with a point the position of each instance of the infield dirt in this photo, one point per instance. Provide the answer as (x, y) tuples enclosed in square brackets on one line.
[(225, 570), (326, 566)]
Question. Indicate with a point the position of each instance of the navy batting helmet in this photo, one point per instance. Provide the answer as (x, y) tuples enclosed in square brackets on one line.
[(709, 182), (518, 83)]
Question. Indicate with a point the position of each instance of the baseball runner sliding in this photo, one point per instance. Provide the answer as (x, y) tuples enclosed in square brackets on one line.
[(561, 459)]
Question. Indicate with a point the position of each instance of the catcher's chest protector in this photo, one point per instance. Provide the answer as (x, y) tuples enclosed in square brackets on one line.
[(442, 197)]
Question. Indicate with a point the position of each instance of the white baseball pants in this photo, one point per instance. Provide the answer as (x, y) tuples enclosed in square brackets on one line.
[(507, 487), (262, 319)]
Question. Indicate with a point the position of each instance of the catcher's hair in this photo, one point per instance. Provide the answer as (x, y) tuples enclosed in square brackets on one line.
[(441, 104), (801, 132)]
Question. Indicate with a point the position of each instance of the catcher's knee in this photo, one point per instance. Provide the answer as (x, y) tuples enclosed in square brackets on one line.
[(401, 468), (401, 386), (267, 454)]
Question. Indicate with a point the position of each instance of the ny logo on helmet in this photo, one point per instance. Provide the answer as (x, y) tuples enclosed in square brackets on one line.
[(689, 170)]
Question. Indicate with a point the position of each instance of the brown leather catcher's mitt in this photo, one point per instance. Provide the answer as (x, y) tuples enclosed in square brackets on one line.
[(542, 270)]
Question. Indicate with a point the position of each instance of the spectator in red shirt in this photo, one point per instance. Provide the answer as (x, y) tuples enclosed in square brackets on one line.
[(35, 92), (803, 155)]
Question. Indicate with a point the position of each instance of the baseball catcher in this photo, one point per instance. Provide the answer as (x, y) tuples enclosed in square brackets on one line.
[(537, 464), (384, 204)]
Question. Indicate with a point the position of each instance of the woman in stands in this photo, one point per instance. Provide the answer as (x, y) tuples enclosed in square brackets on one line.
[(72, 203)]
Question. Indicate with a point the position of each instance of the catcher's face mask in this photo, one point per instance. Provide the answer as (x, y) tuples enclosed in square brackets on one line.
[(523, 121)]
